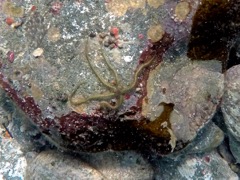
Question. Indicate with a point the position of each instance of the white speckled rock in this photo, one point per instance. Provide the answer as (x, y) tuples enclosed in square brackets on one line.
[(12, 161)]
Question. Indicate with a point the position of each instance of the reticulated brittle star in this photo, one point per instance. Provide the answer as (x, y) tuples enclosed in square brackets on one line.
[(116, 91)]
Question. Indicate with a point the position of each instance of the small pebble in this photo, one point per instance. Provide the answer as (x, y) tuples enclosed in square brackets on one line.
[(106, 38), (33, 8), (128, 58), (138, 89), (120, 45), (92, 34), (114, 31), (140, 36), (111, 40), (9, 21), (16, 24), (106, 43), (111, 46), (37, 52), (56, 7), (11, 56)]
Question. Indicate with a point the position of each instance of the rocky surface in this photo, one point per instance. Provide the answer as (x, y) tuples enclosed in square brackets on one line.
[(82, 79), (231, 96), (199, 166), (13, 163), (119, 90), (186, 85), (107, 165), (231, 111)]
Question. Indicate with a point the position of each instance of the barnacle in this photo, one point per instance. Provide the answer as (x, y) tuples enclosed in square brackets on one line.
[(116, 90)]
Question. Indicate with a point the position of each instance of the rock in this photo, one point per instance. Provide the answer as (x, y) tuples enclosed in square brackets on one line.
[(201, 166), (207, 139), (234, 148), (12, 161), (37, 52), (231, 101), (155, 33), (120, 165), (193, 88), (105, 94), (167, 114), (54, 165)]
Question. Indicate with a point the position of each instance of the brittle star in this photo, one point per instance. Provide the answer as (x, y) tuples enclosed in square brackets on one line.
[(116, 91)]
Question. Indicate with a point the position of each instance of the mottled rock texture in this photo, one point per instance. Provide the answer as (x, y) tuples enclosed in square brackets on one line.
[(231, 101)]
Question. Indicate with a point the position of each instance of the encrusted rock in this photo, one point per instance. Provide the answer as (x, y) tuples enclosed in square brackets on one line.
[(207, 139), (55, 165), (231, 101), (12, 161), (231, 109), (193, 88), (201, 166), (124, 165), (234, 148)]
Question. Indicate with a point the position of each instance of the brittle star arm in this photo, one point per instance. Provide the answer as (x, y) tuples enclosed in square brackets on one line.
[(101, 79), (120, 95), (110, 67), (105, 96), (118, 103), (98, 97), (79, 101), (136, 75)]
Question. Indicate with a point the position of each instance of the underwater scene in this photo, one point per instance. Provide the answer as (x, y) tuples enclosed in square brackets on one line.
[(119, 89)]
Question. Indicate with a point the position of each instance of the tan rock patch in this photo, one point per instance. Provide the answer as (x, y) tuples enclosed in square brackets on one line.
[(182, 9), (155, 33), (36, 92), (53, 34), (155, 3), (120, 7), (12, 10)]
